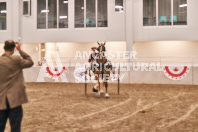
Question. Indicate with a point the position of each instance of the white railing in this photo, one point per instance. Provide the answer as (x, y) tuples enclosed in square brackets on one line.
[(130, 76)]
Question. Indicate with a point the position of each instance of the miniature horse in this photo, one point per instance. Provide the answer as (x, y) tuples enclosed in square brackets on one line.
[(101, 69)]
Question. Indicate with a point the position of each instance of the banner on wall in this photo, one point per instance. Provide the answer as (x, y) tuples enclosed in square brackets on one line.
[(52, 68), (176, 72)]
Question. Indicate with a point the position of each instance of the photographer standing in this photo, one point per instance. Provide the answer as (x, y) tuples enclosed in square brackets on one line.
[(12, 86)]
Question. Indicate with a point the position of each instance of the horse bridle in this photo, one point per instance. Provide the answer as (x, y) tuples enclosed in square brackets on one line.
[(100, 47)]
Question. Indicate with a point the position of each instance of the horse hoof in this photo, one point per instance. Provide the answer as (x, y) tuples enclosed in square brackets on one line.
[(101, 93), (95, 90), (107, 96)]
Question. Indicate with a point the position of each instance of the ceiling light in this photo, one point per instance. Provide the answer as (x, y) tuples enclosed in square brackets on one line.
[(44, 11), (63, 17), (3, 11), (118, 7), (65, 2), (183, 5)]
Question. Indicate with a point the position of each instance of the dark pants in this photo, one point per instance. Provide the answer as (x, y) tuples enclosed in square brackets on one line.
[(15, 117)]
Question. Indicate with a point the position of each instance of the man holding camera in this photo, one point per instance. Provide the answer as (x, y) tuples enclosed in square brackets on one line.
[(12, 86)]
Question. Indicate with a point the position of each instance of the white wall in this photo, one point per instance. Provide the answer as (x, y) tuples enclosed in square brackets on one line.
[(70, 49), (1, 49), (167, 52), (166, 48), (31, 49), (162, 33), (71, 52)]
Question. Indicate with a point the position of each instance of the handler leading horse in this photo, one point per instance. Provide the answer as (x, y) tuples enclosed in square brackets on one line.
[(101, 68)]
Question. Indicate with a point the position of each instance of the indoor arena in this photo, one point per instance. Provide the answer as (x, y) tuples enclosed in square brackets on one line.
[(98, 66)]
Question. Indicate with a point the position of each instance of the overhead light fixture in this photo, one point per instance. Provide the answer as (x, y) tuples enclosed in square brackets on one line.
[(65, 2), (63, 17), (44, 11), (183, 5), (3, 11), (119, 7)]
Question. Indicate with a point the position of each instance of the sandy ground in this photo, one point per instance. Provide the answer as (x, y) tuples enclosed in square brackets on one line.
[(55, 107)]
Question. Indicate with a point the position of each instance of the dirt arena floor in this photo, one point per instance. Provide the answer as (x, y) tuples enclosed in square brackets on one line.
[(59, 107)]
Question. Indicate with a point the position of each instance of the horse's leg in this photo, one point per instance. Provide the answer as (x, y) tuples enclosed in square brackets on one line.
[(101, 92), (95, 88), (105, 83), (106, 87)]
